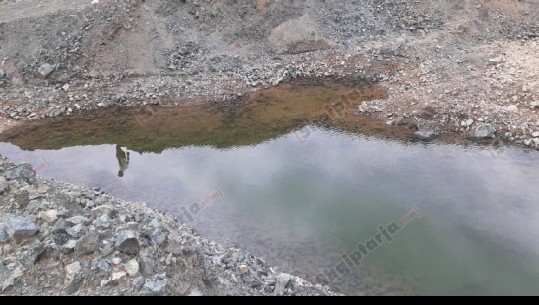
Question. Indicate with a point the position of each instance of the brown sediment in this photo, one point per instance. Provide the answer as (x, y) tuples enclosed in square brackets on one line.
[(252, 119)]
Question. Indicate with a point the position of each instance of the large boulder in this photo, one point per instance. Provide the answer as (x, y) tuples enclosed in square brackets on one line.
[(19, 228), (298, 36), (483, 131)]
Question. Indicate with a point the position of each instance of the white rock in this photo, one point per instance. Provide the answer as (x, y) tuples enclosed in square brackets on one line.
[(195, 293), (495, 61), (512, 108), (17, 273), (132, 267), (244, 269), (4, 185), (73, 269), (117, 276), (49, 216), (116, 261)]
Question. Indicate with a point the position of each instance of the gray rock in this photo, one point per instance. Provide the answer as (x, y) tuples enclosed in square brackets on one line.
[(30, 257), (89, 204), (104, 265), (74, 285), (22, 198), (63, 213), (283, 280), (126, 241), (174, 247), (75, 230), (2, 73), (24, 172), (75, 220), (484, 131), (102, 221), (424, 135), (159, 237), (147, 266), (138, 282), (7, 283), (6, 280), (68, 246), (3, 271), (88, 244), (4, 236), (19, 227), (46, 69), (59, 233), (101, 210), (154, 287)]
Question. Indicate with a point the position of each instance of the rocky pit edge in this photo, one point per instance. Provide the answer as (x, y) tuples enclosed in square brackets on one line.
[(450, 67)]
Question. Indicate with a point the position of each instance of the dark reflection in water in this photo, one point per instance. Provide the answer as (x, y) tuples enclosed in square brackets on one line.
[(123, 160)]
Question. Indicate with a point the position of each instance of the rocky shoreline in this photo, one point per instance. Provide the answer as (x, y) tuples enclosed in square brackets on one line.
[(61, 239), (463, 68)]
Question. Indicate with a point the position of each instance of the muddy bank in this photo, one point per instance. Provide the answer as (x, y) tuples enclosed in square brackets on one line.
[(248, 120)]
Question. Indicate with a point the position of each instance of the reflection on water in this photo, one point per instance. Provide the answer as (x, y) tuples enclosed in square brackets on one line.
[(123, 160), (304, 204), (316, 201)]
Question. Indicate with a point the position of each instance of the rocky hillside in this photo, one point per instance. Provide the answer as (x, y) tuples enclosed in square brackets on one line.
[(94, 38)]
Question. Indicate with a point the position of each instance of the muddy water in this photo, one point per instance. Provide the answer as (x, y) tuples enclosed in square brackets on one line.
[(281, 175)]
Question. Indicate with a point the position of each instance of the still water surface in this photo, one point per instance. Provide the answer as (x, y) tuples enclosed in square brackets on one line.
[(306, 198)]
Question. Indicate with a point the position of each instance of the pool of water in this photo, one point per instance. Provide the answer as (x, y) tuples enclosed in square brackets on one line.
[(310, 199)]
